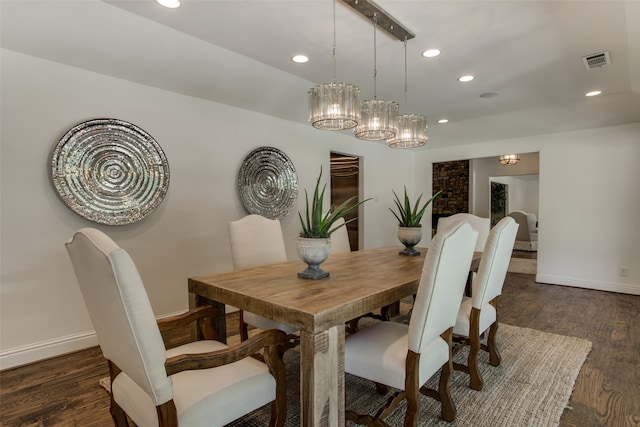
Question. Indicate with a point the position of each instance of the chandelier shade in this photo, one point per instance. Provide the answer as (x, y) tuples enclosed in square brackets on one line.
[(334, 106), (378, 120), (509, 159), (412, 132)]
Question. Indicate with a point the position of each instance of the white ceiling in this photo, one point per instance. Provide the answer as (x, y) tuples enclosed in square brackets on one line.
[(529, 52)]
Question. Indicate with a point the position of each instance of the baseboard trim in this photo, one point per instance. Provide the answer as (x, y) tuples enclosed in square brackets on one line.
[(599, 286), (35, 352), (23, 355)]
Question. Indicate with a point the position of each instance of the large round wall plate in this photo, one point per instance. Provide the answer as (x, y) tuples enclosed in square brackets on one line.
[(268, 183), (110, 171)]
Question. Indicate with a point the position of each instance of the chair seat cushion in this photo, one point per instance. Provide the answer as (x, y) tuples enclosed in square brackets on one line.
[(266, 324), (205, 397), (487, 317), (379, 352)]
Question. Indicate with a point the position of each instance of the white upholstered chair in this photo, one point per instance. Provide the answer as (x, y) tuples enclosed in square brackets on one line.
[(257, 241), (527, 237), (479, 312), (406, 356), (203, 383), (481, 225)]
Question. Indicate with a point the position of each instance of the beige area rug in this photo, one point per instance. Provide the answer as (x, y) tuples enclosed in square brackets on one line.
[(531, 387), (523, 265)]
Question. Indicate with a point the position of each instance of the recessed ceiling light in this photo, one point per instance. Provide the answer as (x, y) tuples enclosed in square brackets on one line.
[(300, 59), (171, 4), (593, 93), (465, 78), (430, 53), (442, 121)]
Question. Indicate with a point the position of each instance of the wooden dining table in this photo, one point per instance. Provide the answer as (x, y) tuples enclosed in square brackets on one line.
[(359, 282)]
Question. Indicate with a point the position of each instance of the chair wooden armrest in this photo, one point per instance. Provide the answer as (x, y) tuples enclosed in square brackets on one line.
[(269, 340)]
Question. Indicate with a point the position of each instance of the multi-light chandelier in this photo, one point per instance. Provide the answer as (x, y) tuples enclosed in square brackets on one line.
[(334, 106), (337, 106)]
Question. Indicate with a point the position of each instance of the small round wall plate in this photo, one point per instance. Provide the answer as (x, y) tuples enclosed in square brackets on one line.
[(109, 171), (268, 183)]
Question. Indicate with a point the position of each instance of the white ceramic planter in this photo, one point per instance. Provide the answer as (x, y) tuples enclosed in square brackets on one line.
[(409, 237), (314, 252)]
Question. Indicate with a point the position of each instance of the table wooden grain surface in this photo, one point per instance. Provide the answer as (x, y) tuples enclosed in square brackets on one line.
[(359, 282)]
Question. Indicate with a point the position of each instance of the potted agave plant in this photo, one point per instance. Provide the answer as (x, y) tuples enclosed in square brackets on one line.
[(314, 243), (409, 217)]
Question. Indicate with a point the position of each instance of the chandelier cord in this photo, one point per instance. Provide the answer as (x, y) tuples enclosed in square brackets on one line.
[(375, 69), (405, 75), (333, 54)]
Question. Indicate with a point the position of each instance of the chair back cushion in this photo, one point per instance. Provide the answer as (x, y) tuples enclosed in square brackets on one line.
[(481, 225), (340, 238), (493, 267), (441, 288), (256, 241), (120, 311)]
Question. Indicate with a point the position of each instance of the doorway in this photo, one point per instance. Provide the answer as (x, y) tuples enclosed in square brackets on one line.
[(345, 183)]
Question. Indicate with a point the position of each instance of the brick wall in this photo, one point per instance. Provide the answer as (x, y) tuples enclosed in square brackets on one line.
[(453, 179)]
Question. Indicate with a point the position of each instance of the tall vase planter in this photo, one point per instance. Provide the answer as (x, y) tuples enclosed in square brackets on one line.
[(409, 237), (313, 251)]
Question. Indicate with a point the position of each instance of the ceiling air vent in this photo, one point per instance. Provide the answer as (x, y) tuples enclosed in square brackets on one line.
[(596, 60)]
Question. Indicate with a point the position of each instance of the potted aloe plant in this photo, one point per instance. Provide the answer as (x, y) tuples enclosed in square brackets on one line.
[(409, 216), (314, 243)]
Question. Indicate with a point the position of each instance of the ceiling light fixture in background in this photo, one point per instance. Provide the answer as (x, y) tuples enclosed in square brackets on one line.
[(431, 53), (465, 79), (593, 93), (171, 4), (379, 118), (300, 59), (334, 106), (412, 128), (509, 159)]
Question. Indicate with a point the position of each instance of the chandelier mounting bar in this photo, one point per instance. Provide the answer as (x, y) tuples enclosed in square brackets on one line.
[(386, 22)]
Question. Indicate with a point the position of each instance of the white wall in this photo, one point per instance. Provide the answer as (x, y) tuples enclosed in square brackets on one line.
[(589, 203), (42, 311), (588, 206)]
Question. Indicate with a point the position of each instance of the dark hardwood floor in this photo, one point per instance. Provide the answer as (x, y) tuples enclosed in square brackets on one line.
[(64, 391)]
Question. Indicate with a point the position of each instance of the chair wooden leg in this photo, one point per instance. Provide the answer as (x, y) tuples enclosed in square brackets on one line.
[(494, 353), (448, 406), (412, 388), (118, 415), (244, 329), (273, 358), (475, 382)]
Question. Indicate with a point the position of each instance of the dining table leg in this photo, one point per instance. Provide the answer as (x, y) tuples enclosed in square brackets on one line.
[(218, 323), (322, 378)]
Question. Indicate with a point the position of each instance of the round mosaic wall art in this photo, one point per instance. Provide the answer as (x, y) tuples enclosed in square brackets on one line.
[(110, 171), (268, 183)]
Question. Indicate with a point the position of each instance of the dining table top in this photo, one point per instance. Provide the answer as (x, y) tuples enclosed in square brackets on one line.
[(358, 281)]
